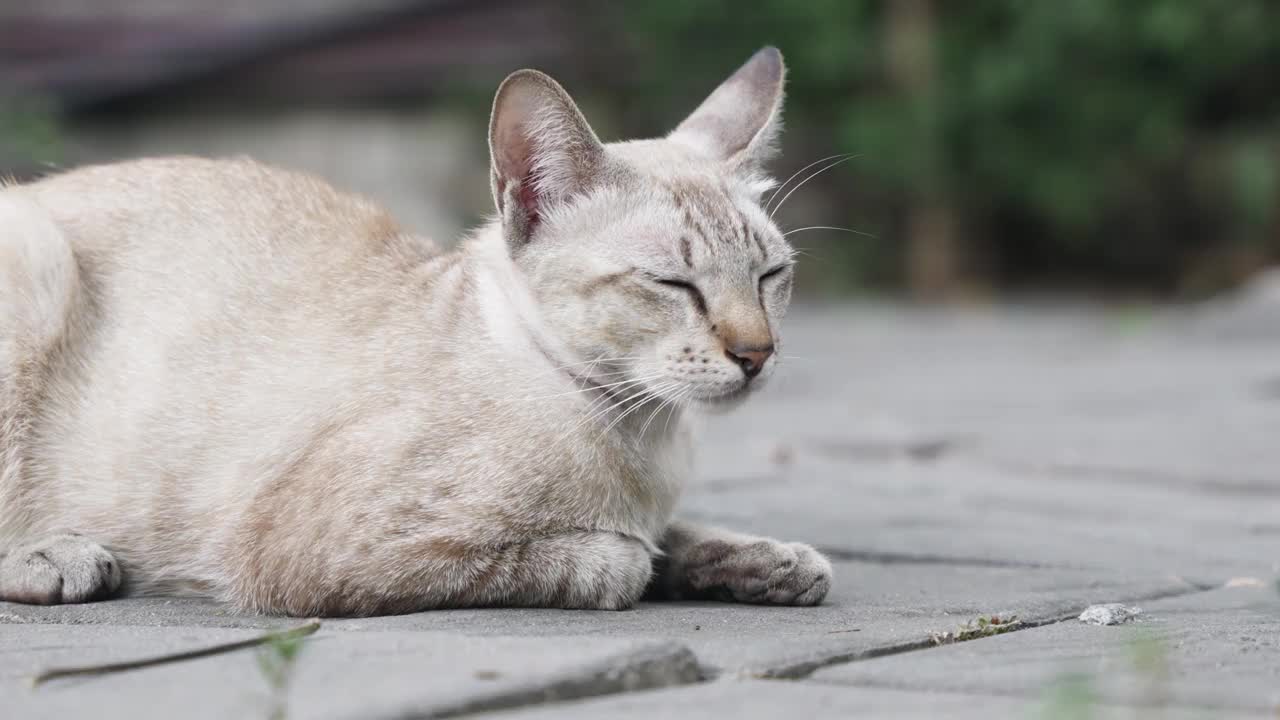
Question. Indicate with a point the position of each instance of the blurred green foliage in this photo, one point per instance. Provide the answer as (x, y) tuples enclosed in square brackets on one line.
[(1092, 141), (29, 134)]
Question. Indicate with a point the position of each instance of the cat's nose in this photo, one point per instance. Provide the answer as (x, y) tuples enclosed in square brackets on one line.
[(750, 359)]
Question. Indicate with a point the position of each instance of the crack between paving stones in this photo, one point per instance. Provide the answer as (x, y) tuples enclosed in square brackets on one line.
[(803, 669), (660, 667)]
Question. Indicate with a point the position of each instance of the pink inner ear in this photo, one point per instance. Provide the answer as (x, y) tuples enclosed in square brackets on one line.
[(529, 201)]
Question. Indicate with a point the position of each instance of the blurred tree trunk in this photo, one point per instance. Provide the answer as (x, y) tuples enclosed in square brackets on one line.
[(935, 254)]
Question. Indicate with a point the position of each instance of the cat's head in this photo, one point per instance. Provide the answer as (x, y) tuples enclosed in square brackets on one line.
[(653, 262)]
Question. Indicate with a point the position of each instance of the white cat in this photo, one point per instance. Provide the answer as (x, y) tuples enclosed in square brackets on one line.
[(223, 379)]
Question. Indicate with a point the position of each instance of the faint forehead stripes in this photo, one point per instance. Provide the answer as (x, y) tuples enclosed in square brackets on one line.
[(728, 227), (692, 223), (686, 252)]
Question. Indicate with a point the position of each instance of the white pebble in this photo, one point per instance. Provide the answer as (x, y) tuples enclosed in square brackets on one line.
[(1109, 614)]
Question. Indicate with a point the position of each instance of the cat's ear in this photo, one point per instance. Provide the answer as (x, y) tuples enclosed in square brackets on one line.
[(739, 122), (542, 151)]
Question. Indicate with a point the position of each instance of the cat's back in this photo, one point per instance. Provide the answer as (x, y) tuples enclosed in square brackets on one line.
[(199, 251), (188, 206)]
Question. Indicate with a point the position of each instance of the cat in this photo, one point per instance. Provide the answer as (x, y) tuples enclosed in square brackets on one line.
[(226, 380)]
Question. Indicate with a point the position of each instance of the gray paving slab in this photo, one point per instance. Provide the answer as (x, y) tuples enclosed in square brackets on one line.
[(749, 700), (1217, 649), (873, 607), (1045, 437), (972, 511), (336, 675), (1051, 387)]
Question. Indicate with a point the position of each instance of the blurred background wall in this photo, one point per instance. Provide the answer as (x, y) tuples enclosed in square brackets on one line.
[(1115, 149)]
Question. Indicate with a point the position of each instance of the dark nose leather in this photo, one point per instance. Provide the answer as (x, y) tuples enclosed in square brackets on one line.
[(750, 359)]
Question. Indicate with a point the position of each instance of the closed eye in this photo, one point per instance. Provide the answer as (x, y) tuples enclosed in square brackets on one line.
[(771, 273), (774, 272), (683, 285), (694, 293)]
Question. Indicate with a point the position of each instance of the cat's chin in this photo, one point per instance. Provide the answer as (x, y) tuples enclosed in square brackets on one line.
[(725, 402)]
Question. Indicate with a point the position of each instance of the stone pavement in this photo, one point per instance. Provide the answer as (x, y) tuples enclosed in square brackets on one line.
[(1021, 462)]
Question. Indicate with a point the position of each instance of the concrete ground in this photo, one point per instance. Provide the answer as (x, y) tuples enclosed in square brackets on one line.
[(1020, 463)]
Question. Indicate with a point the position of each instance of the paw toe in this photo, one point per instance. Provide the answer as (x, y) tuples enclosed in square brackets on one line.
[(30, 578), (88, 572), (62, 569), (811, 579)]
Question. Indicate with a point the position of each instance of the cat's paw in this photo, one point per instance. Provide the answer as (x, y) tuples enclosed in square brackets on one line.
[(760, 571), (58, 569), (618, 569)]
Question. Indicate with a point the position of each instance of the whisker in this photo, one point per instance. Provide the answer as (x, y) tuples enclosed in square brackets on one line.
[(633, 402), (665, 403), (805, 252), (680, 403), (794, 175), (801, 184), (601, 407), (644, 398), (592, 367), (653, 394), (829, 227), (599, 359), (680, 397), (596, 387), (622, 390), (657, 409)]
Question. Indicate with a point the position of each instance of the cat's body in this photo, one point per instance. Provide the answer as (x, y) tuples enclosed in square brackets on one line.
[(236, 381)]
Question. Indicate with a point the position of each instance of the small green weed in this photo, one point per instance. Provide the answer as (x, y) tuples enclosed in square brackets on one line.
[(277, 660), (980, 627)]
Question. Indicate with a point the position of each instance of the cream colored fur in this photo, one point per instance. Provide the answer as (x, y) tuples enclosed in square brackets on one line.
[(231, 380)]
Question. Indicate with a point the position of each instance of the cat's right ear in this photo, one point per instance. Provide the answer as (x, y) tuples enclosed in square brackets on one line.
[(542, 151)]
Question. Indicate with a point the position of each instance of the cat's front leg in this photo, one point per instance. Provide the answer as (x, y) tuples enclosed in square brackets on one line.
[(575, 569), (708, 563)]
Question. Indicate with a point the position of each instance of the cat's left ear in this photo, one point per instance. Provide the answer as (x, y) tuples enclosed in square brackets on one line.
[(542, 151), (739, 122)]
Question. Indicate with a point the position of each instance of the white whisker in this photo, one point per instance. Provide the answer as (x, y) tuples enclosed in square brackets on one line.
[(680, 396), (656, 411), (643, 399), (829, 227), (678, 406), (796, 174), (598, 359), (801, 184), (601, 407), (596, 387)]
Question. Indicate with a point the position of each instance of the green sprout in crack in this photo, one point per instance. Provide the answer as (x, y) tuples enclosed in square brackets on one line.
[(980, 627), (277, 660)]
